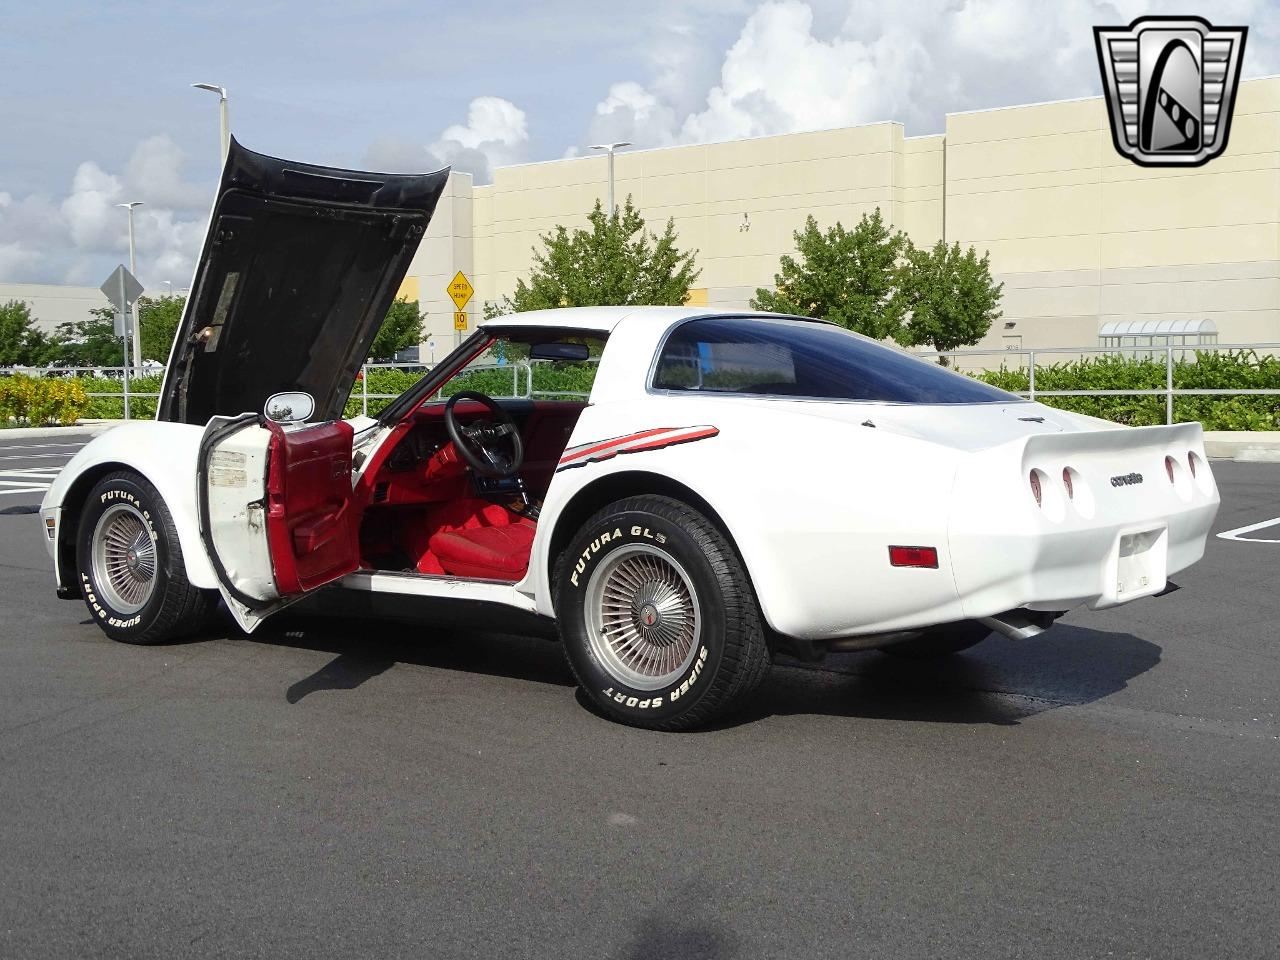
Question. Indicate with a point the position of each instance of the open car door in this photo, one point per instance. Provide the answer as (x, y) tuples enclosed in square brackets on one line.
[(276, 511)]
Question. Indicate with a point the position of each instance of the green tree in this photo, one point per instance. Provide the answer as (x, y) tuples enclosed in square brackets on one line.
[(21, 343), (850, 277), (401, 328), (951, 297), (615, 262), (89, 343), (159, 319)]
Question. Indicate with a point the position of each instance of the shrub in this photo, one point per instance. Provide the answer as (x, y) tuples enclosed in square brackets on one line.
[(40, 401), (1208, 370), (548, 378), (112, 408)]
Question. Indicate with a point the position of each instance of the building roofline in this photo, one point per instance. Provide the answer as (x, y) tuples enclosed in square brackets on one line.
[(1049, 103), (707, 143), (851, 126)]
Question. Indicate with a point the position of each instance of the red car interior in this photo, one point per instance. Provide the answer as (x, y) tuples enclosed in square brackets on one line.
[(425, 512)]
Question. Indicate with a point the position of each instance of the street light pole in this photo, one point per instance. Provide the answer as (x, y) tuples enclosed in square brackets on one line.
[(135, 327), (610, 148), (224, 122)]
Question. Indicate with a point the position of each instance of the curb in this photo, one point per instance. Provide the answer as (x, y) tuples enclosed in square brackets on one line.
[(91, 427), (1245, 446)]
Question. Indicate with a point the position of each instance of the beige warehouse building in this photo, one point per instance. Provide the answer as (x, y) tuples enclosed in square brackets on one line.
[(1080, 236)]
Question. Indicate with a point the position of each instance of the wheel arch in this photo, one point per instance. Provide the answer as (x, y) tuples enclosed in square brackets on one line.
[(199, 571), (616, 486), (628, 483)]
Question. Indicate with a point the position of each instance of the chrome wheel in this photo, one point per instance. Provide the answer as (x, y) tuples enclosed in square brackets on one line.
[(642, 617), (124, 558)]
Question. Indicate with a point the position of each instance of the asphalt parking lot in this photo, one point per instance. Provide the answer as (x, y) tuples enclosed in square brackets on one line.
[(335, 787)]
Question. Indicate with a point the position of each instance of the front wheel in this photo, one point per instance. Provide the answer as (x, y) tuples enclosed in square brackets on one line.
[(659, 621), (130, 564)]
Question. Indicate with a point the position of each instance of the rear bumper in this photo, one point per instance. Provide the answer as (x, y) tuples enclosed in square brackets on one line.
[(1106, 544)]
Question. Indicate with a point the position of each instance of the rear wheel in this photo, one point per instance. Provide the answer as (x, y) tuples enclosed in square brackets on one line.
[(130, 564), (659, 621), (940, 641)]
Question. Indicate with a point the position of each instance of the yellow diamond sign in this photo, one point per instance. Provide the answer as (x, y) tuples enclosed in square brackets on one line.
[(460, 289)]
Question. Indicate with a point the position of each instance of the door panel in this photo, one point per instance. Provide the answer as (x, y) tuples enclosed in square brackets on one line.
[(312, 526), (276, 514)]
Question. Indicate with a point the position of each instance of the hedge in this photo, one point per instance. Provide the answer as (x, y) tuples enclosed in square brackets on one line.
[(37, 400), (1209, 370), (563, 379), (548, 379)]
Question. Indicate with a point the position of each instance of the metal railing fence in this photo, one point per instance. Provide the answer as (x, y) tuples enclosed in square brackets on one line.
[(1168, 391), (522, 381), (522, 374)]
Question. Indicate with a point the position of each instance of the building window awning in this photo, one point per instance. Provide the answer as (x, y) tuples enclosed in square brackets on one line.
[(1157, 328), (1133, 337)]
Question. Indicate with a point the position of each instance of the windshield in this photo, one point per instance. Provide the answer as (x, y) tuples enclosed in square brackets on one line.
[(505, 370), (782, 358)]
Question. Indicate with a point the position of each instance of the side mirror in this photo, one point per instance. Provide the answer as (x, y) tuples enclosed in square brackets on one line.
[(294, 407)]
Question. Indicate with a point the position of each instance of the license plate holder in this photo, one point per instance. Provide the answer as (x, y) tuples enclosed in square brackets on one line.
[(1139, 564)]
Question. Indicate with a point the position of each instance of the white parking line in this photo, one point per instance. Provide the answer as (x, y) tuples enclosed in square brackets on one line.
[(39, 446), (39, 456), (1235, 534), (27, 480)]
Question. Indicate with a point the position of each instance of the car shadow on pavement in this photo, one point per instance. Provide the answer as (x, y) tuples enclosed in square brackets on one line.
[(364, 649), (346, 671), (999, 681)]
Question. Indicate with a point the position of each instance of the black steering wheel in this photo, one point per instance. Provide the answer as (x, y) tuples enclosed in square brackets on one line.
[(492, 448)]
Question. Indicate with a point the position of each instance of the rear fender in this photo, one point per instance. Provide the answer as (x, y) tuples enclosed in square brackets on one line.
[(814, 542)]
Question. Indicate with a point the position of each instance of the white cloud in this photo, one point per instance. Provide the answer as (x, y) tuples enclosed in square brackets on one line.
[(810, 65), (630, 112), (496, 132), (16, 260), (156, 169), (400, 155), (82, 235)]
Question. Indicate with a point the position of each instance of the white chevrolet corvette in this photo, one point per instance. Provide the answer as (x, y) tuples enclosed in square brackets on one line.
[(734, 484)]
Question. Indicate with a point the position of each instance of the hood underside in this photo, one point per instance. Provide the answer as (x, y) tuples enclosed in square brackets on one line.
[(299, 267)]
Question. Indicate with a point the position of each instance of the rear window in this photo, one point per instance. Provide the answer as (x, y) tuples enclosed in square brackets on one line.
[(784, 358)]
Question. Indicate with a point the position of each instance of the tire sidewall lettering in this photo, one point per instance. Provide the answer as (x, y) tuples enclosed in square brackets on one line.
[(106, 616), (618, 531)]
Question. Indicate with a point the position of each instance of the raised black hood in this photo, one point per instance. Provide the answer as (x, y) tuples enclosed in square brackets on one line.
[(297, 272)]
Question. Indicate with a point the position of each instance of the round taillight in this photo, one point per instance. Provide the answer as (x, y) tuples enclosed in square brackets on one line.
[(1168, 467), (1066, 482), (1035, 487), (1191, 462)]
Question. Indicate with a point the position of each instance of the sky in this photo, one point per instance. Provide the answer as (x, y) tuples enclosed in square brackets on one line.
[(96, 106)]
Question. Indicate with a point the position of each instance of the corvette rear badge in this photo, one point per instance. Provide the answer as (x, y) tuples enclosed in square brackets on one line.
[(1170, 85)]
